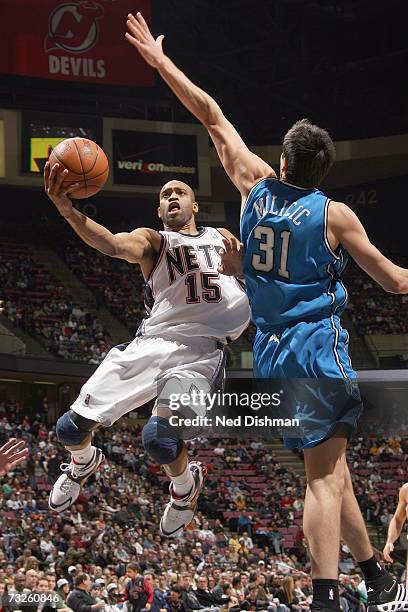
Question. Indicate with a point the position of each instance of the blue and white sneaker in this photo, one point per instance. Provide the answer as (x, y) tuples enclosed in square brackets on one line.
[(180, 511), (68, 486)]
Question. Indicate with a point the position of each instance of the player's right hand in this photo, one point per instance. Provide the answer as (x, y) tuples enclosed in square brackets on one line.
[(388, 549), (59, 195)]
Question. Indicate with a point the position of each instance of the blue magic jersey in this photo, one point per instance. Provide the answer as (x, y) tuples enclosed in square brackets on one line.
[(291, 272)]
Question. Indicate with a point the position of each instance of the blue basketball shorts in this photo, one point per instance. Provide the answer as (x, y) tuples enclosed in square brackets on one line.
[(320, 390)]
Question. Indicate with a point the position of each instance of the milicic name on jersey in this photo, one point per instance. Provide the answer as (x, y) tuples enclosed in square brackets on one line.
[(295, 211), (183, 259)]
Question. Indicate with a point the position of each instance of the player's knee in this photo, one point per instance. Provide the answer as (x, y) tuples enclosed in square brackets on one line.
[(71, 431), (160, 442), (330, 485)]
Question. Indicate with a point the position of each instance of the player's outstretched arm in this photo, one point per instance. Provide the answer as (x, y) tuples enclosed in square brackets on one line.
[(397, 523), (134, 247), (345, 228), (242, 166), (12, 453)]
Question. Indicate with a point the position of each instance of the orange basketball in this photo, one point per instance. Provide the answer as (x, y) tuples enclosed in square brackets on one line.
[(86, 162)]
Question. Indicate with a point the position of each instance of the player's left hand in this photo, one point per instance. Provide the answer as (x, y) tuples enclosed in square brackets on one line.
[(388, 549), (11, 454), (232, 258), (140, 37), (1, 307)]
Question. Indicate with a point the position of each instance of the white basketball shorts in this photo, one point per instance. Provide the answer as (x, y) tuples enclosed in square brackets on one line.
[(129, 375)]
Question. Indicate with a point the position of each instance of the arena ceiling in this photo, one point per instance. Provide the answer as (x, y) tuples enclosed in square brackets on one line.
[(269, 62)]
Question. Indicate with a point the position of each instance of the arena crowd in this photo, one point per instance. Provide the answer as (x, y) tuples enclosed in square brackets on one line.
[(245, 551), (37, 303)]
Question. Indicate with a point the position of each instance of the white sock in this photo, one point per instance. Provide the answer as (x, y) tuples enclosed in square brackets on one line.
[(83, 455), (183, 483)]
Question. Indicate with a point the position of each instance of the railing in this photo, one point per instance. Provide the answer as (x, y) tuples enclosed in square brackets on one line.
[(9, 343)]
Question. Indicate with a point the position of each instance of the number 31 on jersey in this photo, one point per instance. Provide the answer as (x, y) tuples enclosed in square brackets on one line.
[(269, 252)]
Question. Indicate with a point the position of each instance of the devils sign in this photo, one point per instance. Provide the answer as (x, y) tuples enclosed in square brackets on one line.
[(78, 40)]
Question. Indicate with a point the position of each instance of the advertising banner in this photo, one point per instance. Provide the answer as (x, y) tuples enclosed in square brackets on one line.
[(72, 40), (151, 158)]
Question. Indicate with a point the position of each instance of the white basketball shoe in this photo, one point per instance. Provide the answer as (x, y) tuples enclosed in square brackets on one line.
[(180, 511), (68, 486)]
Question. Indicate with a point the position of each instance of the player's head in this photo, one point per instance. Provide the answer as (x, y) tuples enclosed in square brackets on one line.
[(308, 154), (177, 205)]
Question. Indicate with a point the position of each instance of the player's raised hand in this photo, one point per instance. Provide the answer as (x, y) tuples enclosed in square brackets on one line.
[(140, 37), (232, 258), (53, 185), (388, 549), (11, 454)]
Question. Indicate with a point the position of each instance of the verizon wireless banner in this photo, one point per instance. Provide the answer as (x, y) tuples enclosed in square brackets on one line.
[(76, 40), (152, 158)]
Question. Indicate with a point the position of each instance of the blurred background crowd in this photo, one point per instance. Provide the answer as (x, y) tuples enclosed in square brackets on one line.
[(245, 550)]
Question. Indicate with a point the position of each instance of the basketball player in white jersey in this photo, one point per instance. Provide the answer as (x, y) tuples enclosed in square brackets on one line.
[(397, 523), (193, 310)]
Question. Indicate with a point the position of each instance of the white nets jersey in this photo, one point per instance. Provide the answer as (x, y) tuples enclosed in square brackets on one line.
[(186, 296)]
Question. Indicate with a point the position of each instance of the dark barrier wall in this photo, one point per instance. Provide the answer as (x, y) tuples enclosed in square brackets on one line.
[(381, 206)]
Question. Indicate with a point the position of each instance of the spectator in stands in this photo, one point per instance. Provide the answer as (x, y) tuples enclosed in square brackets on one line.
[(160, 593), (139, 591), (286, 594), (115, 600), (349, 595), (246, 542), (80, 599), (62, 594), (251, 601), (31, 578), (189, 596), (174, 600), (207, 597)]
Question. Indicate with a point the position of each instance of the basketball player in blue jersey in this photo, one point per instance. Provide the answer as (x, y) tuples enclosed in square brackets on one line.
[(295, 242)]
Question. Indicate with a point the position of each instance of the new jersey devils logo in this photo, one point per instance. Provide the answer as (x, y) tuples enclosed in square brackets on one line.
[(74, 26)]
